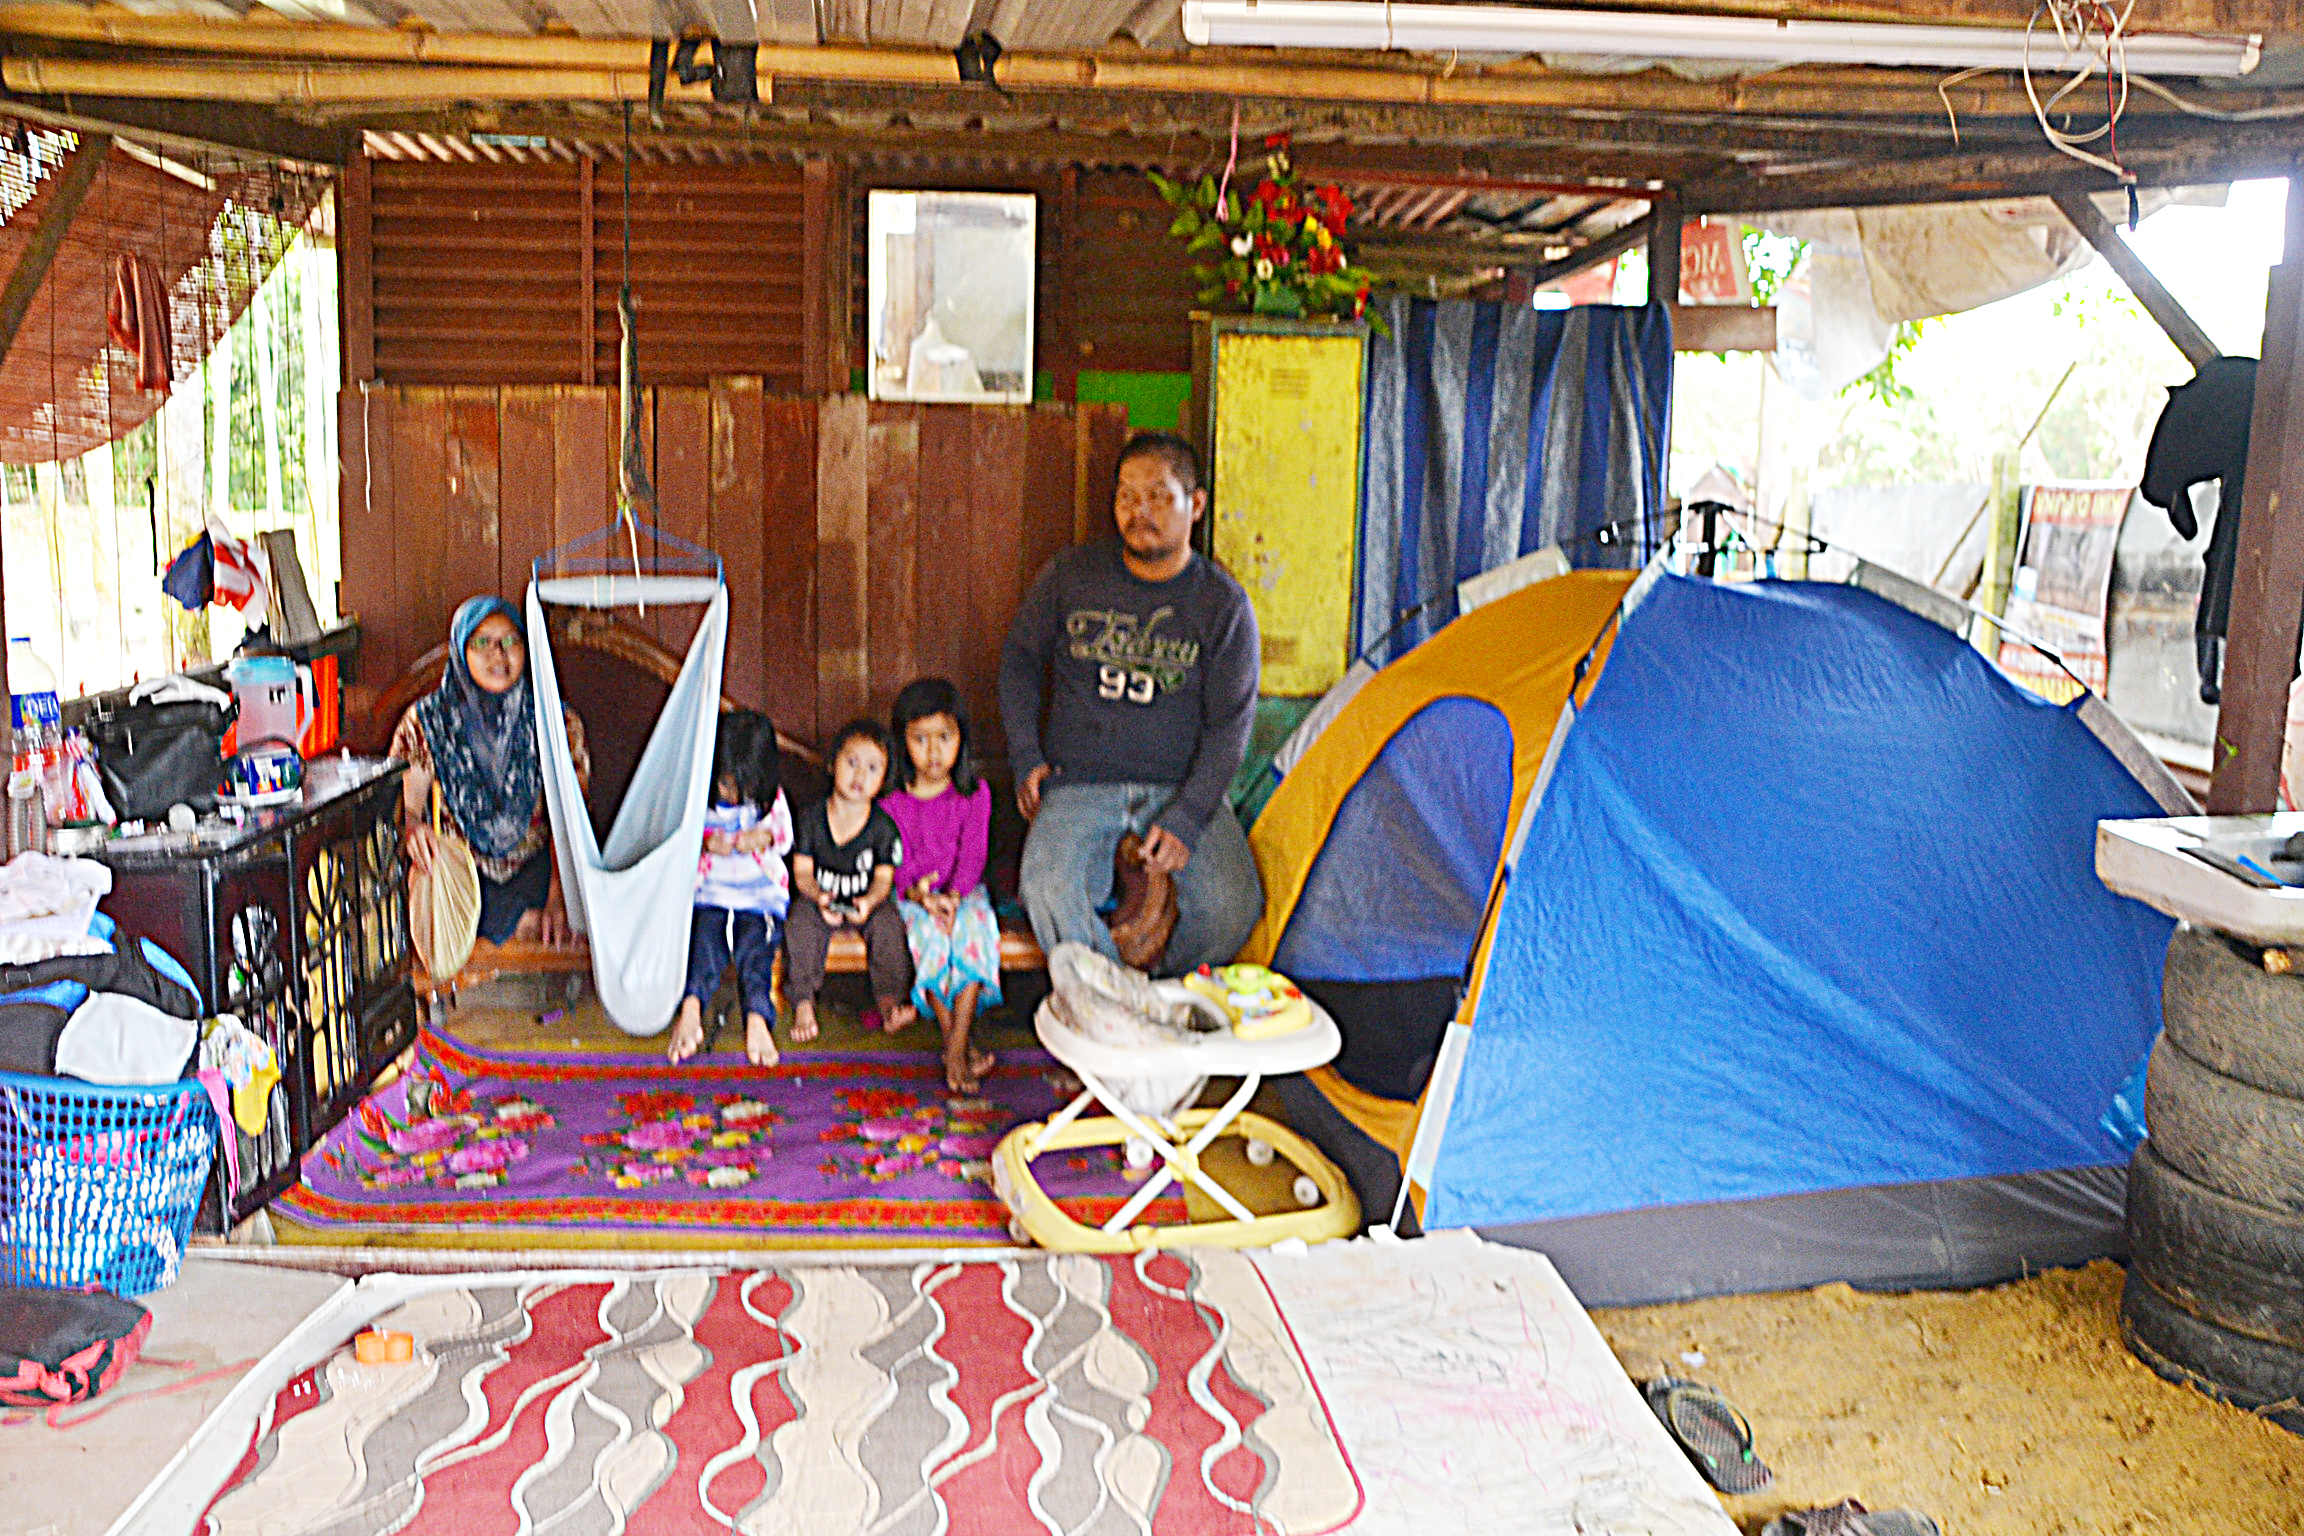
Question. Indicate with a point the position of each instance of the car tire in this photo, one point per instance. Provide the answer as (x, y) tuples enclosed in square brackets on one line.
[(2226, 1262), (2230, 1367), (2229, 1135), (2230, 1014)]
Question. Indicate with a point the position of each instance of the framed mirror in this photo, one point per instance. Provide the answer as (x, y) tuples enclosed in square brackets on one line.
[(951, 278)]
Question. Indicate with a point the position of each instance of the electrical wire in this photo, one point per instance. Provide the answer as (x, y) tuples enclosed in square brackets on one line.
[(2111, 55), (2217, 114), (2075, 22)]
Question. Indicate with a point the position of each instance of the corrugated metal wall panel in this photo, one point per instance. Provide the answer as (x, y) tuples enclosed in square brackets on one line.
[(479, 272)]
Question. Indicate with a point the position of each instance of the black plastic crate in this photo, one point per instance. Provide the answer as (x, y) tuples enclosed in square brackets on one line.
[(297, 922)]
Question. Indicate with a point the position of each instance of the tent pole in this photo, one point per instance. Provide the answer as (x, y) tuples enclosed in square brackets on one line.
[(2268, 578)]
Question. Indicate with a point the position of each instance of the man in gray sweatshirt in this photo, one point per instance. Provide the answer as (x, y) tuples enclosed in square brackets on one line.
[(1128, 687)]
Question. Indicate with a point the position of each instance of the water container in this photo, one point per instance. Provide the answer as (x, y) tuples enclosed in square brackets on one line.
[(275, 699)]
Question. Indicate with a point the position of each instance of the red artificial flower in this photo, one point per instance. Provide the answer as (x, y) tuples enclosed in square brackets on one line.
[(874, 1102), (1276, 140), (1267, 191), (656, 1104)]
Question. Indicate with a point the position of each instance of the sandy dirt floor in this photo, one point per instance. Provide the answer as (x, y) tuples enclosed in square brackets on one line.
[(2014, 1411)]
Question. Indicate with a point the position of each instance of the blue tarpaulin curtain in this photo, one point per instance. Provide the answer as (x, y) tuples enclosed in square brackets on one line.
[(1494, 430)]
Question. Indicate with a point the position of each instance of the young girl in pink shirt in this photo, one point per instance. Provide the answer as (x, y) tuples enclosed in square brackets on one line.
[(945, 813)]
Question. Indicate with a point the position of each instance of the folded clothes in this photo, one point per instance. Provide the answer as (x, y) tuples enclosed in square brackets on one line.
[(36, 884), (123, 1041), (48, 907)]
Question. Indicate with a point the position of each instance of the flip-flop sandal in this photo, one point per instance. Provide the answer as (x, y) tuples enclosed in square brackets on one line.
[(1715, 1436), (1849, 1518)]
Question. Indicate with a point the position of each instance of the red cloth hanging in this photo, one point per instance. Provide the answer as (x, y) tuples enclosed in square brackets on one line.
[(136, 315)]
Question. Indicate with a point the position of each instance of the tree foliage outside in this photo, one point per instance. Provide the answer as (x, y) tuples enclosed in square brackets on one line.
[(1952, 392)]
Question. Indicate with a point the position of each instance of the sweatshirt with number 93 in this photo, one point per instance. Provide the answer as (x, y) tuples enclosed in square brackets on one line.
[(1112, 679)]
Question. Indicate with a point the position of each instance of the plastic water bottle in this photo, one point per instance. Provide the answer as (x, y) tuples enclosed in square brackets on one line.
[(33, 707), (38, 718)]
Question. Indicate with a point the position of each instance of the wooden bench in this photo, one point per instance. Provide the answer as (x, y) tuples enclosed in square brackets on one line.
[(616, 678), (1019, 951)]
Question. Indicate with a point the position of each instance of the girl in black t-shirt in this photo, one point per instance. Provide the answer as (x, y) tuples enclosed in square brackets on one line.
[(844, 857)]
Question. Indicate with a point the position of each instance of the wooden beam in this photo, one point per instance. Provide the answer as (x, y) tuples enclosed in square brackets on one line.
[(2159, 155), (201, 128), (1618, 149), (823, 252), (67, 188), (1632, 234), (587, 255), (308, 65), (356, 273), (295, 85), (106, 25), (1723, 328), (2268, 566), (1664, 251), (2158, 302)]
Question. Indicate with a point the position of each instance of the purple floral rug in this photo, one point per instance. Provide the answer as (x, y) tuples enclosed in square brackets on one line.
[(853, 1147)]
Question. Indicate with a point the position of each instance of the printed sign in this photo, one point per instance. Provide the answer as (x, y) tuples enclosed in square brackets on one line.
[(2070, 534), (1712, 263)]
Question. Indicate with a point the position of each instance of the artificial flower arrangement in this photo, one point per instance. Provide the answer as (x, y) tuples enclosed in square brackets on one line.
[(1274, 250)]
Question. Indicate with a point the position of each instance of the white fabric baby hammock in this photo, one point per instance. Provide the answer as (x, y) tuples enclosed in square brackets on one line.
[(632, 896)]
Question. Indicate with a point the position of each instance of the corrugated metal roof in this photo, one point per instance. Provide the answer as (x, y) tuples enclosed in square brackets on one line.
[(1039, 25)]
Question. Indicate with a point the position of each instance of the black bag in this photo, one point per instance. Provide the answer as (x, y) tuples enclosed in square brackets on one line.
[(38, 1000), (61, 1347), (156, 755)]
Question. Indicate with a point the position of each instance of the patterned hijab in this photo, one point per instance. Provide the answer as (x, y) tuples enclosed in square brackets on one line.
[(483, 744)]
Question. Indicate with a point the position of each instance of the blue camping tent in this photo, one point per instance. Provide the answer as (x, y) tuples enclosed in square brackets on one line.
[(1801, 970)]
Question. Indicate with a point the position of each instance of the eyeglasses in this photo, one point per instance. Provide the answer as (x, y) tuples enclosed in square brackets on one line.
[(502, 645)]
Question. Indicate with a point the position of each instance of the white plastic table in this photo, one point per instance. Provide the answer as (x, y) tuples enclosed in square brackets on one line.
[(1217, 1054), (2148, 860)]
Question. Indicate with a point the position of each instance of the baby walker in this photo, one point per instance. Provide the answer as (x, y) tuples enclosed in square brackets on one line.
[(1247, 1021)]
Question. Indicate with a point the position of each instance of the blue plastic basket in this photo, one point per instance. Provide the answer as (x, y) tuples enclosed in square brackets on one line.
[(98, 1185)]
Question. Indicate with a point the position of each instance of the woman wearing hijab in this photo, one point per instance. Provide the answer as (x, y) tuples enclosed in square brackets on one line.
[(475, 737)]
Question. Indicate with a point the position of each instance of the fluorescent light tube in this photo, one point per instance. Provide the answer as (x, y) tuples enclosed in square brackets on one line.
[(1427, 28)]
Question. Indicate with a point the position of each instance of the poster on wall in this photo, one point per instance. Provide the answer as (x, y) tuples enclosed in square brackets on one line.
[(2063, 588)]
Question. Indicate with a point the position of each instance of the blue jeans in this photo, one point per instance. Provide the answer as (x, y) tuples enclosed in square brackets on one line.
[(715, 935), (1067, 873)]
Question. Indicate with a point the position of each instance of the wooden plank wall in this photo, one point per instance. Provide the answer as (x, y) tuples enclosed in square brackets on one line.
[(866, 543)]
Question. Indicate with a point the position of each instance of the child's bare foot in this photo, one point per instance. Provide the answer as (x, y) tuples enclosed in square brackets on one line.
[(760, 1040), (897, 1017), (687, 1030), (964, 1070), (803, 1022)]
